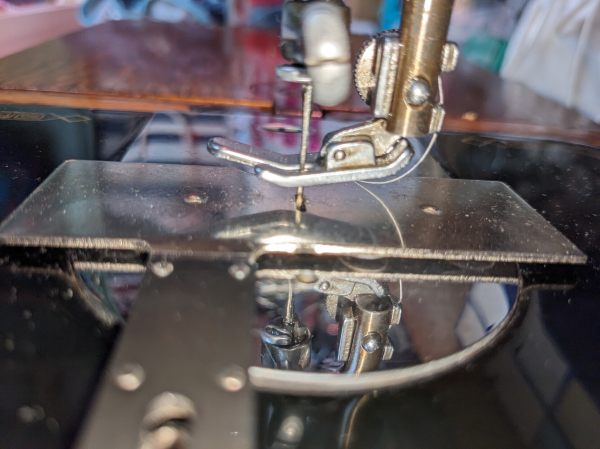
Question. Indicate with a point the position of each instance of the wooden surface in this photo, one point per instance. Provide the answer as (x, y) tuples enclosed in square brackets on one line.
[(144, 66), (150, 66)]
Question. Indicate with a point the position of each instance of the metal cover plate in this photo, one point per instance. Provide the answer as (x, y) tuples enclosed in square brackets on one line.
[(187, 340), (90, 203)]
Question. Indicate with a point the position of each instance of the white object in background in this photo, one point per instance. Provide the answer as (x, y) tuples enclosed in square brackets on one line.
[(327, 52), (555, 51), (363, 27), (487, 305)]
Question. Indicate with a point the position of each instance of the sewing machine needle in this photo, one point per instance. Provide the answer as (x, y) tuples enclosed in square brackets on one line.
[(307, 103), (289, 306)]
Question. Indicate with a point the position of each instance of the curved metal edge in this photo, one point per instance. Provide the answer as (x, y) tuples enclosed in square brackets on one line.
[(250, 156), (315, 178), (325, 384)]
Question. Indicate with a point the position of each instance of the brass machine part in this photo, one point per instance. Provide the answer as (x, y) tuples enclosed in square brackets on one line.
[(423, 36), (373, 317)]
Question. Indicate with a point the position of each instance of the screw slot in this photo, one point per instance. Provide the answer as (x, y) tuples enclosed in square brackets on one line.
[(167, 423)]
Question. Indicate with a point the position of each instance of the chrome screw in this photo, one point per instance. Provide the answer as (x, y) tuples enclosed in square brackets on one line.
[(339, 155), (417, 92), (324, 286), (371, 342), (232, 378), (240, 271), (162, 268), (129, 376)]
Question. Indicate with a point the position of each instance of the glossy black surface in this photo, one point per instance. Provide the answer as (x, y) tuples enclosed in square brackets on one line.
[(562, 182), (540, 388), (52, 351), (34, 140)]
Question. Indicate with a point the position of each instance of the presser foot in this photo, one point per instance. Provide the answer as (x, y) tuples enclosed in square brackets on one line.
[(344, 159)]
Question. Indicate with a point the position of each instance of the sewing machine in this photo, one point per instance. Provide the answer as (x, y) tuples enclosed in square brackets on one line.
[(275, 292)]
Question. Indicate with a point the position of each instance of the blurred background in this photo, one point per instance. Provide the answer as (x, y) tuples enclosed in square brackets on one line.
[(136, 89), (482, 27), (550, 46)]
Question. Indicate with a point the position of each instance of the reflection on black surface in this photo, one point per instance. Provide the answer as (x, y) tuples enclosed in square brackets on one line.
[(52, 350), (515, 397), (282, 226), (438, 318), (561, 369), (539, 388), (34, 140)]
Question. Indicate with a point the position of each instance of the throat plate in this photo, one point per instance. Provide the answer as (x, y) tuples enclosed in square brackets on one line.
[(114, 204)]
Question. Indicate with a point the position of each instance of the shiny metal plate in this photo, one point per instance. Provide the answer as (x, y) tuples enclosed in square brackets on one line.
[(112, 204), (184, 339)]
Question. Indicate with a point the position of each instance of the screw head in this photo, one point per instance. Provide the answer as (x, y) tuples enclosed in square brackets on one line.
[(166, 422), (195, 199), (232, 378), (129, 376), (324, 286), (291, 430), (371, 342), (339, 155), (417, 92), (166, 437), (239, 271), (162, 268)]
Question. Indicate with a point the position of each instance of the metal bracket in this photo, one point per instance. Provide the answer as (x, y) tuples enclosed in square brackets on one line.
[(184, 344), (349, 343)]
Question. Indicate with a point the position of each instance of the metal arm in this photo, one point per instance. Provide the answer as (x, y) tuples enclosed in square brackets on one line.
[(423, 37)]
